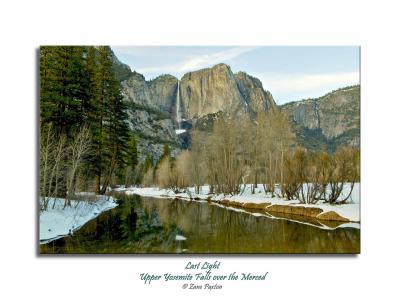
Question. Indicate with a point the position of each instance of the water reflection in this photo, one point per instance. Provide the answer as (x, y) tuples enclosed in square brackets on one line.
[(148, 225)]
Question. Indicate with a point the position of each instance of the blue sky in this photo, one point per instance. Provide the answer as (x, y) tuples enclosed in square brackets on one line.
[(290, 73)]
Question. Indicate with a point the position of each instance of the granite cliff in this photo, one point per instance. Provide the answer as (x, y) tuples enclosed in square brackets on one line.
[(215, 89), (329, 121), (206, 94)]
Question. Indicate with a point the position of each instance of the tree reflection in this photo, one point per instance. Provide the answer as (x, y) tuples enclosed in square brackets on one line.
[(143, 225)]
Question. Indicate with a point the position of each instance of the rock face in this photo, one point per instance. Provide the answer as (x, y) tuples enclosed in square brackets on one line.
[(163, 91), (202, 93), (153, 129), (253, 93), (334, 117), (122, 71), (150, 113), (211, 91), (205, 95), (158, 94), (136, 90), (215, 89)]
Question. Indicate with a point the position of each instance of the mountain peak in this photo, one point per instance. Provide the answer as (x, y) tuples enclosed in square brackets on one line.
[(221, 66), (164, 77)]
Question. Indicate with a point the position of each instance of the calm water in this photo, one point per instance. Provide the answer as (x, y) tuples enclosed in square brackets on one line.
[(148, 225)]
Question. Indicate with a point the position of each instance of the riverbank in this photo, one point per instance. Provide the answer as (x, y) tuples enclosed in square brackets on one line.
[(59, 222), (349, 212)]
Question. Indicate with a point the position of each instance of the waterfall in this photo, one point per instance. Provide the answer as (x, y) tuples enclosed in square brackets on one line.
[(178, 108)]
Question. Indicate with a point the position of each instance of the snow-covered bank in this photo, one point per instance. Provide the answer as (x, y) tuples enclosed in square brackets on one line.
[(350, 210), (58, 222)]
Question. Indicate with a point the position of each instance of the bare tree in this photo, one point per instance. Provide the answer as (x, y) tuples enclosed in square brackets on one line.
[(46, 151), (228, 156), (78, 148), (182, 171), (344, 167), (52, 164), (148, 177), (163, 173), (197, 160)]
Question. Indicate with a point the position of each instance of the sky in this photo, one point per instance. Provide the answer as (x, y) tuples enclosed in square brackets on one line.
[(290, 73)]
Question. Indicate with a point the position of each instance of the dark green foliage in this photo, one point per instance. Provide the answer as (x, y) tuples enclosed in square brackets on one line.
[(148, 163), (313, 139), (64, 87), (143, 167), (79, 86), (112, 120), (166, 152), (132, 159), (121, 70)]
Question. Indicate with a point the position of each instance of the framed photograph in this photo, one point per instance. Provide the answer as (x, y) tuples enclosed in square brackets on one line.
[(199, 150)]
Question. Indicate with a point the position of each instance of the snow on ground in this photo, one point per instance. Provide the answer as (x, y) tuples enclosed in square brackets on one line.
[(322, 226), (180, 131), (58, 222), (180, 238), (350, 210)]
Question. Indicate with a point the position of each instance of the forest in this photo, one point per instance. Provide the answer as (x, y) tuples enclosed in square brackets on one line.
[(261, 151), (84, 134), (86, 144)]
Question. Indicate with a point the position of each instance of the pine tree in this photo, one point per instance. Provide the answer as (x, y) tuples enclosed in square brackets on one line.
[(166, 152), (64, 96), (78, 87), (132, 152), (131, 162), (113, 118), (148, 163), (64, 87)]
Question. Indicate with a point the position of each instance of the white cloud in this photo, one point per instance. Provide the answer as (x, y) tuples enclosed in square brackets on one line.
[(198, 61), (285, 87)]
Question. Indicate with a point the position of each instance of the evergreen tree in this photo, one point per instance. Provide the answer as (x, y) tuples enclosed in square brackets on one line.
[(132, 152), (131, 171), (64, 97), (166, 152), (78, 87), (148, 163), (64, 87), (113, 119)]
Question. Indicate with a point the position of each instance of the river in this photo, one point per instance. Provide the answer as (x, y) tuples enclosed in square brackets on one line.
[(151, 225)]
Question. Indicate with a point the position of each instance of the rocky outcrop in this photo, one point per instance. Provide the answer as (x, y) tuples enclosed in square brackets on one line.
[(122, 71), (163, 91), (253, 93), (150, 106), (209, 91), (332, 216), (202, 93), (136, 90), (153, 129), (295, 210), (334, 117), (158, 94), (215, 89)]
